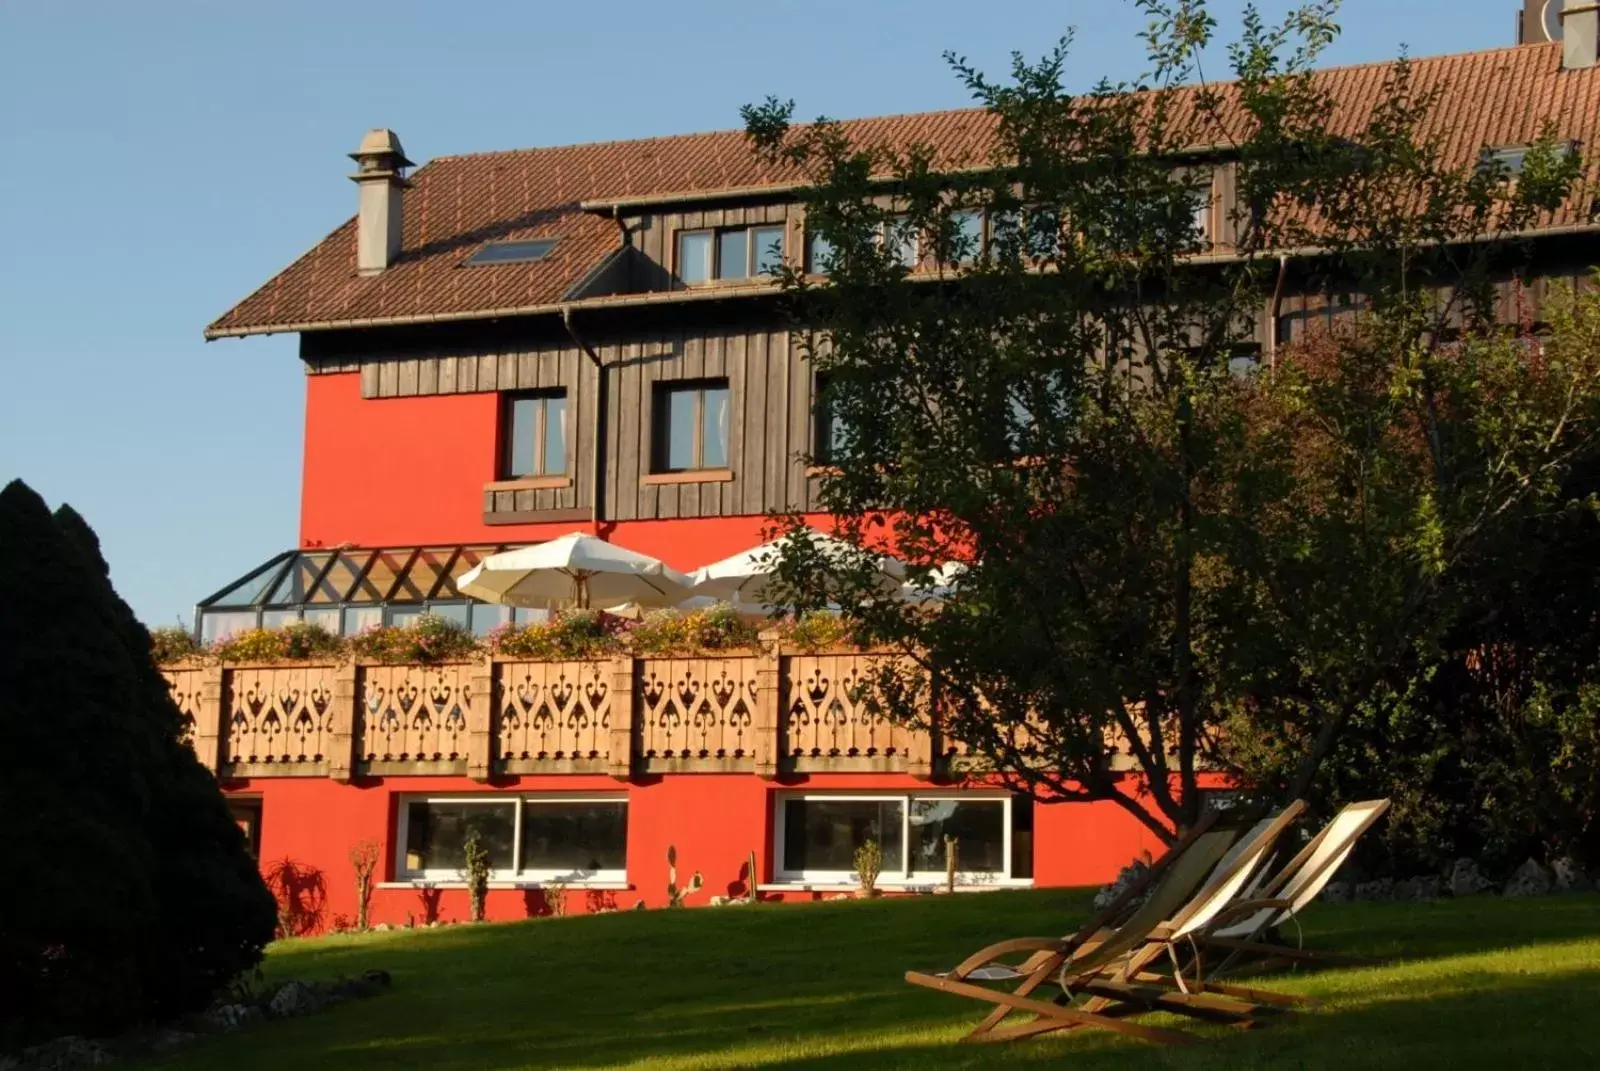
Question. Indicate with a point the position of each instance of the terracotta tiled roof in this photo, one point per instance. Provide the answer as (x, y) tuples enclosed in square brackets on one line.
[(1497, 97)]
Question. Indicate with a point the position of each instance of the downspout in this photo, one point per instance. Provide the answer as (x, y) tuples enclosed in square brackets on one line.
[(1277, 303), (597, 451)]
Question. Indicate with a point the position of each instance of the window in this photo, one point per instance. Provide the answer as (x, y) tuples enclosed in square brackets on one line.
[(246, 812), (1204, 215), (520, 252), (829, 431), (968, 226), (819, 254), (534, 435), (1037, 233), (1508, 161), (691, 426), (818, 836), (730, 253), (529, 838), (900, 237)]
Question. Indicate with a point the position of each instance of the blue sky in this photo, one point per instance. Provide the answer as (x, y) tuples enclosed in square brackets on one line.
[(161, 159)]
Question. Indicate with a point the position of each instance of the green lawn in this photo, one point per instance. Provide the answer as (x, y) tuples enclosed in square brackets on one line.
[(1478, 983)]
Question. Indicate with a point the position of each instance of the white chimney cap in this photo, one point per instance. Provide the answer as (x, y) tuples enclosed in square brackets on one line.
[(382, 141)]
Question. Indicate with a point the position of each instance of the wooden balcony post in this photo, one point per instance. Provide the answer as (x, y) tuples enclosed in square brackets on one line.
[(919, 749), (345, 731), (209, 734), (769, 702), (624, 716), (483, 720)]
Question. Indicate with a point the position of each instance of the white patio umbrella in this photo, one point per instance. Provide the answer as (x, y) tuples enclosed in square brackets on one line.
[(745, 576), (940, 585), (574, 569)]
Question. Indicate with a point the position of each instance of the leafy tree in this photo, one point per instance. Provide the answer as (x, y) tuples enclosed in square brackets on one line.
[(1068, 407)]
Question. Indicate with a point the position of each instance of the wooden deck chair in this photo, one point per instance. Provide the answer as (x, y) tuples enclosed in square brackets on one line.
[(1240, 930), (1095, 949)]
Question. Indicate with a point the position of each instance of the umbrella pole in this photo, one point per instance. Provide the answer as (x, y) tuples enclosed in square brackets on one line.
[(581, 582)]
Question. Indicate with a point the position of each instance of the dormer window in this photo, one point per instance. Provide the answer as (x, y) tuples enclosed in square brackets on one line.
[(526, 251), (729, 253), (1508, 161)]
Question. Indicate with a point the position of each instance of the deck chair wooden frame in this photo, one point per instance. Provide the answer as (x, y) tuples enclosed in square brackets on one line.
[(1239, 932), (1108, 963)]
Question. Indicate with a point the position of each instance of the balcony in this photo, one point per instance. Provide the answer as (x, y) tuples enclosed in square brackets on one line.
[(776, 712)]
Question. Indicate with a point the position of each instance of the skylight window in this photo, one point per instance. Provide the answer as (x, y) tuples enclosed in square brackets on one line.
[(519, 252)]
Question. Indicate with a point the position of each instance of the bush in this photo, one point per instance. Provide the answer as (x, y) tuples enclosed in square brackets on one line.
[(140, 900), (573, 634), (817, 630), (716, 628), (295, 642), (173, 643), (429, 639)]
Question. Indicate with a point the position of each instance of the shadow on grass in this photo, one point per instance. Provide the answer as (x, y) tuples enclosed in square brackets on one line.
[(821, 986)]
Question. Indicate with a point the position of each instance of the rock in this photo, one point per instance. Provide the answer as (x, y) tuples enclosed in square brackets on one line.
[(1379, 889), (1126, 878), (296, 998), (227, 1017), (1424, 887), (1530, 879), (719, 901), (1338, 892), (1568, 876), (1465, 879), (168, 1039), (64, 1054), (382, 927)]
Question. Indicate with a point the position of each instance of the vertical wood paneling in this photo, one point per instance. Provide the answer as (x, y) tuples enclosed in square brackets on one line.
[(447, 375), (748, 378), (369, 379), (799, 419), (388, 379)]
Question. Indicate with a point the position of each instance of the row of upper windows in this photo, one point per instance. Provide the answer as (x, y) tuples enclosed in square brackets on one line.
[(689, 429), (724, 254)]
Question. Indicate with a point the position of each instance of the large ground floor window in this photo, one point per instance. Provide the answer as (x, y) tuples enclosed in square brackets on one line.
[(529, 838), (817, 836)]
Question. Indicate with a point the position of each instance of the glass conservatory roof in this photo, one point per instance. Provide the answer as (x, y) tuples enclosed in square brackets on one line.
[(344, 576)]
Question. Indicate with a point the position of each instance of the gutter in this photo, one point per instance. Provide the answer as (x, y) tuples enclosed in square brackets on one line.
[(596, 444)]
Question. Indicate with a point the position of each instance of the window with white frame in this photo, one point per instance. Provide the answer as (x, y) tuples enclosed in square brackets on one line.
[(528, 838), (818, 834)]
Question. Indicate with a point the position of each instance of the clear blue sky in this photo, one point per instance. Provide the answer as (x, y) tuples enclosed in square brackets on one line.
[(161, 159)]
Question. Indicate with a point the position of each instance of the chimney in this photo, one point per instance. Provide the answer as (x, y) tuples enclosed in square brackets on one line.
[(380, 173), (1580, 33)]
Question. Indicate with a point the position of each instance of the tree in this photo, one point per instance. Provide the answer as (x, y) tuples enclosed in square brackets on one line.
[(1067, 408), (129, 900)]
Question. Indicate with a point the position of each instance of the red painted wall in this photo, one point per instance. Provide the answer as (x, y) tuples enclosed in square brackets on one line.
[(410, 471)]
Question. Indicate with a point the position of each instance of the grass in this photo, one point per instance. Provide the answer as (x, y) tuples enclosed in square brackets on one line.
[(1480, 983)]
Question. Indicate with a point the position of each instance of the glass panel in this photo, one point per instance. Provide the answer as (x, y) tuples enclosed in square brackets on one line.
[(680, 428), (427, 569), (328, 619), (733, 254), (340, 578), (969, 234), (279, 618), (824, 834), (215, 625), (902, 241), (555, 435), (359, 618), (1044, 232), (401, 616), (530, 615), (978, 824), (574, 838), (408, 589), (247, 815), (1021, 837), (469, 557), (380, 577), (249, 591), (1007, 227), (819, 254), (694, 256), (766, 249), (521, 437), (487, 617), (450, 611), (1202, 214), (298, 582), (714, 429), (436, 834), (513, 252)]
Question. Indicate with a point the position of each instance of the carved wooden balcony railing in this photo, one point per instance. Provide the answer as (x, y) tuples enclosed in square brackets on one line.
[(772, 712)]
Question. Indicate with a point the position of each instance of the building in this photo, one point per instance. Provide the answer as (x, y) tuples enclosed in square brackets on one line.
[(503, 347)]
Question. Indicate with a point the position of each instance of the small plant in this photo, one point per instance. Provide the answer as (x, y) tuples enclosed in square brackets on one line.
[(672, 632), (869, 864), (817, 630), (750, 879), (476, 871), (573, 634), (173, 643), (294, 642), (555, 898), (952, 856), (364, 859), (675, 895), (430, 638)]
